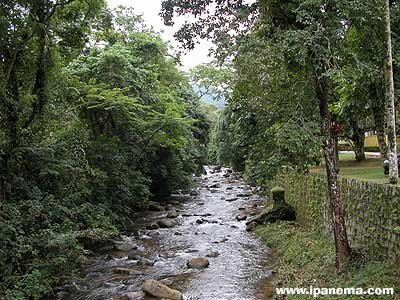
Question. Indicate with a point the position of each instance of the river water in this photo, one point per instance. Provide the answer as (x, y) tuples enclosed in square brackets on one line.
[(207, 225)]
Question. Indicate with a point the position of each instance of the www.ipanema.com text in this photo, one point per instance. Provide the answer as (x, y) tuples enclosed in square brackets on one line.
[(317, 292)]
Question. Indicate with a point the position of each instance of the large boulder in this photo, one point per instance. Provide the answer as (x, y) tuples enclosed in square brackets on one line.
[(153, 206), (124, 246), (161, 291), (166, 223), (198, 263)]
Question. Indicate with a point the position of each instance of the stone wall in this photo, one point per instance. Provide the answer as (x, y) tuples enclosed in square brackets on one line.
[(372, 210)]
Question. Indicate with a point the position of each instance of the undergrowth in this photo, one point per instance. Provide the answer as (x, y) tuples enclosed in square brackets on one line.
[(305, 258)]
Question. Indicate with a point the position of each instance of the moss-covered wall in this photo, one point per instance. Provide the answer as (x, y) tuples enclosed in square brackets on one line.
[(372, 210)]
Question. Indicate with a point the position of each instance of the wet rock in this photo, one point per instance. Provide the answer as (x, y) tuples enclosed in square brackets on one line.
[(214, 186), (225, 239), (198, 263), (241, 217), (203, 215), (226, 175), (177, 233), (174, 202), (172, 214), (133, 257), (241, 208), (124, 246), (199, 221), (166, 223), (244, 195), (229, 170), (229, 188), (192, 251), (161, 291), (153, 206), (145, 262), (134, 296), (200, 203), (186, 215), (234, 227), (217, 168), (152, 226), (213, 254), (194, 193), (126, 271), (153, 233), (232, 199)]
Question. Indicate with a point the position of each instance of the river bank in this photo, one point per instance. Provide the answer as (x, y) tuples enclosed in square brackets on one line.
[(305, 258)]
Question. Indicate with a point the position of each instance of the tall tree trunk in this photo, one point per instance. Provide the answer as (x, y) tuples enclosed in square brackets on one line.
[(329, 147), (358, 139), (379, 115), (391, 112), (381, 135)]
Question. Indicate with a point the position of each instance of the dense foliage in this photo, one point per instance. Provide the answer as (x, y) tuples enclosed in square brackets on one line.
[(308, 72), (95, 119)]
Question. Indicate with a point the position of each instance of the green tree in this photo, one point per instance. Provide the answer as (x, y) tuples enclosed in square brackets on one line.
[(310, 34)]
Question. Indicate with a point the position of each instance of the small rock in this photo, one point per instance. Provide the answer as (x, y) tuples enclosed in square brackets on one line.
[(214, 186), (161, 291), (166, 223), (186, 215), (198, 263), (229, 188), (213, 254), (152, 226), (172, 214), (134, 296), (124, 246), (226, 175), (244, 195), (145, 262), (127, 271), (241, 208), (153, 233), (177, 233), (231, 199), (203, 215), (194, 193), (199, 221), (241, 217)]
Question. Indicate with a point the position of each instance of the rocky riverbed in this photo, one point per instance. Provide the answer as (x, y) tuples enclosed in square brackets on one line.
[(192, 247)]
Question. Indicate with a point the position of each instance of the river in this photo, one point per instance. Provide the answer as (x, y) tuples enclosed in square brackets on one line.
[(208, 223)]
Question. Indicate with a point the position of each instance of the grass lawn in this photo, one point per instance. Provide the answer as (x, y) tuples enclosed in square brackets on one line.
[(371, 169)]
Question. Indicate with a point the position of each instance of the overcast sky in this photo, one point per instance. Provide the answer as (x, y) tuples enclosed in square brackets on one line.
[(150, 10)]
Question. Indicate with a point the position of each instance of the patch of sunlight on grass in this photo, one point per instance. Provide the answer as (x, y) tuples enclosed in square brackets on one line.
[(371, 169)]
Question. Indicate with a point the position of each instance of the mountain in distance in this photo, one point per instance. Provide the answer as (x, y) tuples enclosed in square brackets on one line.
[(209, 98)]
